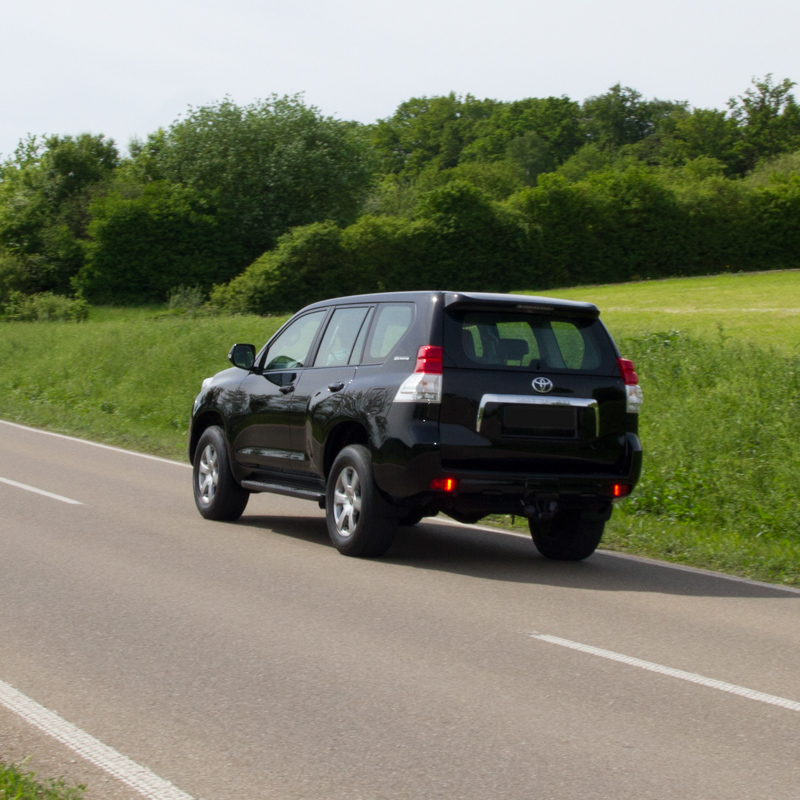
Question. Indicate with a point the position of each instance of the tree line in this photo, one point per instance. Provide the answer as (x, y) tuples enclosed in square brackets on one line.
[(270, 205)]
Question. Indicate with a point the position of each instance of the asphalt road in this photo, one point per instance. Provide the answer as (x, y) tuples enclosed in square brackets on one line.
[(253, 661)]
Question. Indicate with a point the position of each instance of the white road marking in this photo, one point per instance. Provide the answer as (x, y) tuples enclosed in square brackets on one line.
[(129, 772), (41, 492), (652, 561), (750, 694), (95, 444)]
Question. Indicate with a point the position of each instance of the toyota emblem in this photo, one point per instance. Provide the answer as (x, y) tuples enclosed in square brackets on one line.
[(543, 385)]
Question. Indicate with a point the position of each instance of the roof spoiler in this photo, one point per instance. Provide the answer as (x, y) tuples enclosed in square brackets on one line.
[(524, 303)]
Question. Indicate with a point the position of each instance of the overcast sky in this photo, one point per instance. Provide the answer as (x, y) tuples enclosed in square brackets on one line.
[(126, 68)]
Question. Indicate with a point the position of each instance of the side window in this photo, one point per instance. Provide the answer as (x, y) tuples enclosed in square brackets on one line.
[(390, 326), (340, 336), (291, 348)]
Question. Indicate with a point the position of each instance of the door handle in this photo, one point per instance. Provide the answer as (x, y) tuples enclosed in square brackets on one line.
[(335, 387), (286, 389)]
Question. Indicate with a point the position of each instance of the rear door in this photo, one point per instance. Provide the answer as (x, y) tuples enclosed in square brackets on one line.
[(530, 389)]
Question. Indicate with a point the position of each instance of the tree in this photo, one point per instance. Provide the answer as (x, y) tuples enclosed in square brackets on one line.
[(45, 193), (429, 131), (621, 117), (263, 168), (768, 118)]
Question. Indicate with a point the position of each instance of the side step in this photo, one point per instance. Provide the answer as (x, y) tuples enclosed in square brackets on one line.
[(289, 491)]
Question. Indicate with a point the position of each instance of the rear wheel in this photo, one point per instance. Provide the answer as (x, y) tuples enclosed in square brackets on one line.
[(216, 493), (567, 537), (359, 521)]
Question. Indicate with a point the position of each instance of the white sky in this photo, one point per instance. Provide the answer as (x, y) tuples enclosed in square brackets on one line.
[(126, 68)]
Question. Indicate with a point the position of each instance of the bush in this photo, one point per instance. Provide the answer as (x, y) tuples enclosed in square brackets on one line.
[(142, 246), (44, 307)]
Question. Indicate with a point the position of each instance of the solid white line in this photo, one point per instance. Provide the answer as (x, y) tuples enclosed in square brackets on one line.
[(129, 772), (41, 492), (95, 444), (750, 694)]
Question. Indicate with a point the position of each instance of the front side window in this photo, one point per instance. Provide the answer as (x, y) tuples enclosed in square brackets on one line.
[(290, 349)]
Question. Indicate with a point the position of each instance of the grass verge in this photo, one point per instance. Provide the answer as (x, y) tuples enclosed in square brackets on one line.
[(16, 784)]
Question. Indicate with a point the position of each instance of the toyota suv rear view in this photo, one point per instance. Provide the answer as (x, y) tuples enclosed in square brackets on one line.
[(388, 408)]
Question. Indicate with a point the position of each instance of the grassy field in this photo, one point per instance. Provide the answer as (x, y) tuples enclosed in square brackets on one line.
[(762, 308), (720, 425)]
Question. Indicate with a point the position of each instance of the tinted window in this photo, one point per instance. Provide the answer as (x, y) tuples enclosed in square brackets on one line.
[(340, 336), (495, 339), (392, 322), (291, 347)]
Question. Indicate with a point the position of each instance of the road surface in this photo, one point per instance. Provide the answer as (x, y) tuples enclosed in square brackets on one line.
[(251, 661)]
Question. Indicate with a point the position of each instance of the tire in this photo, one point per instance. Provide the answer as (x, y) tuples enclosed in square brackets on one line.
[(358, 518), (216, 493), (567, 537)]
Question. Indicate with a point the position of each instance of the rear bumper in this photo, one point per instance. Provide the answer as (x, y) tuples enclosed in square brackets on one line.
[(482, 492)]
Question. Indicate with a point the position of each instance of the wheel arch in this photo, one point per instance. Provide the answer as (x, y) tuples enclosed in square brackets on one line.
[(344, 434), (201, 423)]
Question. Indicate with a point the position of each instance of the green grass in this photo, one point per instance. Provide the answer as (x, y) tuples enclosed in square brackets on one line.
[(16, 784), (127, 377), (720, 425), (763, 308)]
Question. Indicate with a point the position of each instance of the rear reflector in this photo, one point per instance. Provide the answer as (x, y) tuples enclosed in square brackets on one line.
[(627, 371), (429, 360), (444, 484), (622, 489)]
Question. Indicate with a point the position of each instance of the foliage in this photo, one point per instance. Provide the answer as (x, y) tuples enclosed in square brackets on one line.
[(458, 236), (262, 169), (187, 299), (43, 307), (723, 433), (145, 241), (45, 193), (17, 784)]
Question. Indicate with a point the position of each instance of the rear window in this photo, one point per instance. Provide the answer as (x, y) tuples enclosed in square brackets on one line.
[(529, 342)]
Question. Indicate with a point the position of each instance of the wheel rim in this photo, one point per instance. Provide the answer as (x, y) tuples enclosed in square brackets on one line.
[(208, 474), (347, 501)]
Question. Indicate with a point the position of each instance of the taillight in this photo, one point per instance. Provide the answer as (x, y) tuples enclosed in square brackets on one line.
[(444, 484), (621, 489), (424, 384), (633, 392), (429, 359), (628, 372)]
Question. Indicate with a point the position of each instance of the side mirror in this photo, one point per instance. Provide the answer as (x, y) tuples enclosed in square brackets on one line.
[(242, 356)]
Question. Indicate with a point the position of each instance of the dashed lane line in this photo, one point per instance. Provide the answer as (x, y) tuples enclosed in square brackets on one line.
[(42, 492), (691, 677), (107, 758)]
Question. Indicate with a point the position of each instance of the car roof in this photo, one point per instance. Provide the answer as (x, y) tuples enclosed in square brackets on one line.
[(454, 299)]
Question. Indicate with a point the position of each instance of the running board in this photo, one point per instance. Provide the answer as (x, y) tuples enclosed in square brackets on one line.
[(289, 491)]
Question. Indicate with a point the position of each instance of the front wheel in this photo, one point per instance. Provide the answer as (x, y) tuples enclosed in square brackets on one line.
[(216, 493), (358, 518), (567, 537)]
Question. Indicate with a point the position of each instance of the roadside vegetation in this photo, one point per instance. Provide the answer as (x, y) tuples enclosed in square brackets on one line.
[(720, 424), (272, 205), (17, 784)]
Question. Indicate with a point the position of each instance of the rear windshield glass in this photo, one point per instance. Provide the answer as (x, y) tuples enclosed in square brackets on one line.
[(529, 342)]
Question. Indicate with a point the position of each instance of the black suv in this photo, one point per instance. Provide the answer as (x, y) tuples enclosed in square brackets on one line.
[(388, 408)]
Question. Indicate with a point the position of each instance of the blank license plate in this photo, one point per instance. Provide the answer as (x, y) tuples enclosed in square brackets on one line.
[(553, 420)]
